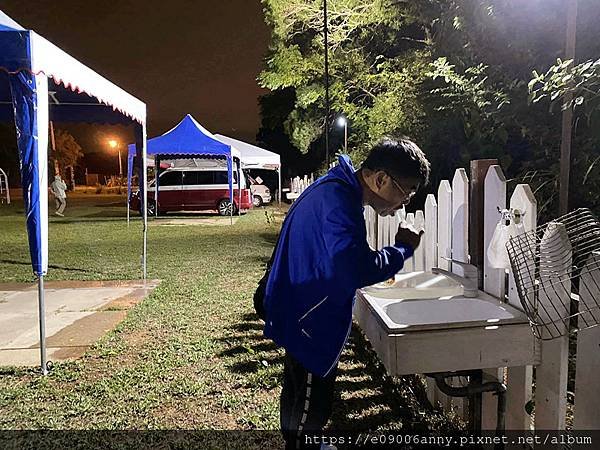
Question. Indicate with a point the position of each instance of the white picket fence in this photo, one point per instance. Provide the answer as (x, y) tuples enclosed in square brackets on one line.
[(445, 223), (298, 185)]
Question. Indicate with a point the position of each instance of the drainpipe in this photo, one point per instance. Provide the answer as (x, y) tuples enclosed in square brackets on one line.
[(473, 391)]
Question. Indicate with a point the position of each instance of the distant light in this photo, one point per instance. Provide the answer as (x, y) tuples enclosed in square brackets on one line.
[(342, 121), (113, 143)]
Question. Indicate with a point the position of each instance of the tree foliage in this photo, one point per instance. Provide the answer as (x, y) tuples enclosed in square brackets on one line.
[(68, 151), (466, 79)]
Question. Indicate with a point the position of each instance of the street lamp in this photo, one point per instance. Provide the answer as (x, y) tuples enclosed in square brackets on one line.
[(343, 122), (115, 144)]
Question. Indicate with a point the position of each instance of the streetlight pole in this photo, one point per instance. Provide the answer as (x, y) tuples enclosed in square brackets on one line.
[(343, 122), (115, 144), (567, 117), (120, 165)]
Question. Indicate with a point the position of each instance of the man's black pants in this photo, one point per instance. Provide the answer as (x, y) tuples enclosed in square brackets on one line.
[(305, 404)]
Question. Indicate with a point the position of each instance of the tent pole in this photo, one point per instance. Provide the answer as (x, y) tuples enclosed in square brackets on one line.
[(128, 183), (156, 167), (279, 190), (145, 209), (239, 165), (42, 313)]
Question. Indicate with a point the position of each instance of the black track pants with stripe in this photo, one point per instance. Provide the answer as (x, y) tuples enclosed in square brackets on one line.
[(305, 404)]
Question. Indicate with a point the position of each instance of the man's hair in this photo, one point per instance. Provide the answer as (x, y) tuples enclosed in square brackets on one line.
[(400, 157)]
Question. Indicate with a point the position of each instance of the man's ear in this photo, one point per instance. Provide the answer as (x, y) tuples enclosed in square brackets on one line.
[(379, 178)]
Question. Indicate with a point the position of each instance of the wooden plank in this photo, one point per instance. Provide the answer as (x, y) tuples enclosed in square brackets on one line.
[(479, 170), (494, 198), (444, 224), (587, 388), (520, 379), (491, 193), (381, 232), (430, 246), (460, 219), (444, 248), (371, 225), (419, 257), (436, 350), (431, 232), (460, 247), (554, 303), (409, 266)]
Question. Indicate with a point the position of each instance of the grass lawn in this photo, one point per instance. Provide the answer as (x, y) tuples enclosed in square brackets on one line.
[(190, 356)]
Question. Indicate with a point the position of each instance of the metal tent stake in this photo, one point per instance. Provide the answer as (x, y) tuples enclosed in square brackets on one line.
[(42, 313)]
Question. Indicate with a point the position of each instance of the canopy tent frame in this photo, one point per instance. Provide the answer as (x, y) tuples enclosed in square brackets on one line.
[(29, 61), (189, 139)]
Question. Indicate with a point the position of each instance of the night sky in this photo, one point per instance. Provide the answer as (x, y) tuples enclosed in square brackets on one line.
[(200, 57)]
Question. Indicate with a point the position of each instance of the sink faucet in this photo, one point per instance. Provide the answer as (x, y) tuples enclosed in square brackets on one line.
[(469, 281)]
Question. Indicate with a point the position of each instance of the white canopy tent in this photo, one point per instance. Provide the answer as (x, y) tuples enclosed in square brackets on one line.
[(254, 157)]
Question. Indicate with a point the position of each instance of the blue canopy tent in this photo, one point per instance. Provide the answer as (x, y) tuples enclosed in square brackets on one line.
[(39, 81), (186, 140)]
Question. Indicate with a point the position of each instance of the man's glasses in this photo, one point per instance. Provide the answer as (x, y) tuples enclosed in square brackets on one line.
[(408, 196)]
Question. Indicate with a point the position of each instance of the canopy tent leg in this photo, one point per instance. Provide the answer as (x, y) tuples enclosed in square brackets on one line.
[(156, 169), (239, 171), (144, 183), (128, 189), (279, 190), (30, 102), (42, 320), (141, 154)]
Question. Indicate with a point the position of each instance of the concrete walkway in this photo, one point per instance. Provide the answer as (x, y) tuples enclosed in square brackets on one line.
[(78, 313)]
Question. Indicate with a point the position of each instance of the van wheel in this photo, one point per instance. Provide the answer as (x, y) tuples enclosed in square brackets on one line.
[(257, 201), (224, 208)]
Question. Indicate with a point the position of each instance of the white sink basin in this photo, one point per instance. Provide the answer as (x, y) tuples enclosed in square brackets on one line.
[(415, 285), (450, 312), (445, 333)]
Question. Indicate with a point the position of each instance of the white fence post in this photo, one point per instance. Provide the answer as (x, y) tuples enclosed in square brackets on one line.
[(460, 219), (551, 374), (371, 224), (419, 256), (409, 266), (444, 224), (431, 232), (494, 196), (587, 389), (460, 245), (520, 379)]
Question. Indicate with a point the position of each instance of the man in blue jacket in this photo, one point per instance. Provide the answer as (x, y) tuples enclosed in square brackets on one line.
[(322, 258)]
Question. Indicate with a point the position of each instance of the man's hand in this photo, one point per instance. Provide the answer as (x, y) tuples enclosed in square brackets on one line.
[(408, 236)]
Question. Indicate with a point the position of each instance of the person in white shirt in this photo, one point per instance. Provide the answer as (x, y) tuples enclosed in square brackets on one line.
[(58, 188)]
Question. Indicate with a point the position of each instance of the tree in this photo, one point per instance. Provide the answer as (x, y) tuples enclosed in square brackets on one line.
[(67, 151), (451, 74)]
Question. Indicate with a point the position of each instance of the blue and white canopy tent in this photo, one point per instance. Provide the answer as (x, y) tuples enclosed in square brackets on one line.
[(188, 139), (254, 157), (39, 81)]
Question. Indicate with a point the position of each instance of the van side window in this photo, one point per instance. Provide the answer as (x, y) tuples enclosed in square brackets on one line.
[(221, 177), (190, 178), (204, 177), (170, 179)]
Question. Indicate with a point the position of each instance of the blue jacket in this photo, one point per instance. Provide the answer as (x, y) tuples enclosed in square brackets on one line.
[(322, 258)]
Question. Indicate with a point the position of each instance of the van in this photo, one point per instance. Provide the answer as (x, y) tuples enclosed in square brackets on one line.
[(195, 189), (261, 194)]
